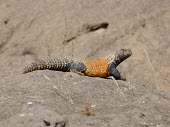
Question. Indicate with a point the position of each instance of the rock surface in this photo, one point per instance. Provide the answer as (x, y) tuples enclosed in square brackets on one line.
[(29, 99), (31, 30)]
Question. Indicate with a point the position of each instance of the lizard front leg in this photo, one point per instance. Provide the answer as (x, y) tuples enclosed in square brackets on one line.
[(78, 68), (115, 73)]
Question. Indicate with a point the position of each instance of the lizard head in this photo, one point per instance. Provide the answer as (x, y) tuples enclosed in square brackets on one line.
[(119, 56)]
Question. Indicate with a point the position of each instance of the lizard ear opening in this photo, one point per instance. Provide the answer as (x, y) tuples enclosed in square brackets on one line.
[(114, 72)]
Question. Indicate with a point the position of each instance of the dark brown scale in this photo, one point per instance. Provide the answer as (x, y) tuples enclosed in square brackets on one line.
[(34, 66)]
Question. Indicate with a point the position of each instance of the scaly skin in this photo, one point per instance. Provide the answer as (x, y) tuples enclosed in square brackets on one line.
[(102, 67)]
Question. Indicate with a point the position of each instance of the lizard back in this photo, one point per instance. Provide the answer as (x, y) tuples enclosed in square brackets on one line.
[(96, 67)]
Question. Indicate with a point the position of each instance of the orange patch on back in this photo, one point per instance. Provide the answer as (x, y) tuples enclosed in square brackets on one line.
[(97, 67)]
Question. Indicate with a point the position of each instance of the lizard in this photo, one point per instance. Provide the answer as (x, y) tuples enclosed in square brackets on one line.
[(100, 67)]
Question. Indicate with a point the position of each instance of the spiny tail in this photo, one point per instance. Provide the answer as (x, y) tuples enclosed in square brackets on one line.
[(59, 64)]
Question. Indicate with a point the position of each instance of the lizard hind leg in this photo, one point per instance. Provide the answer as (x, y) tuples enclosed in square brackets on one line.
[(76, 71), (78, 68)]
